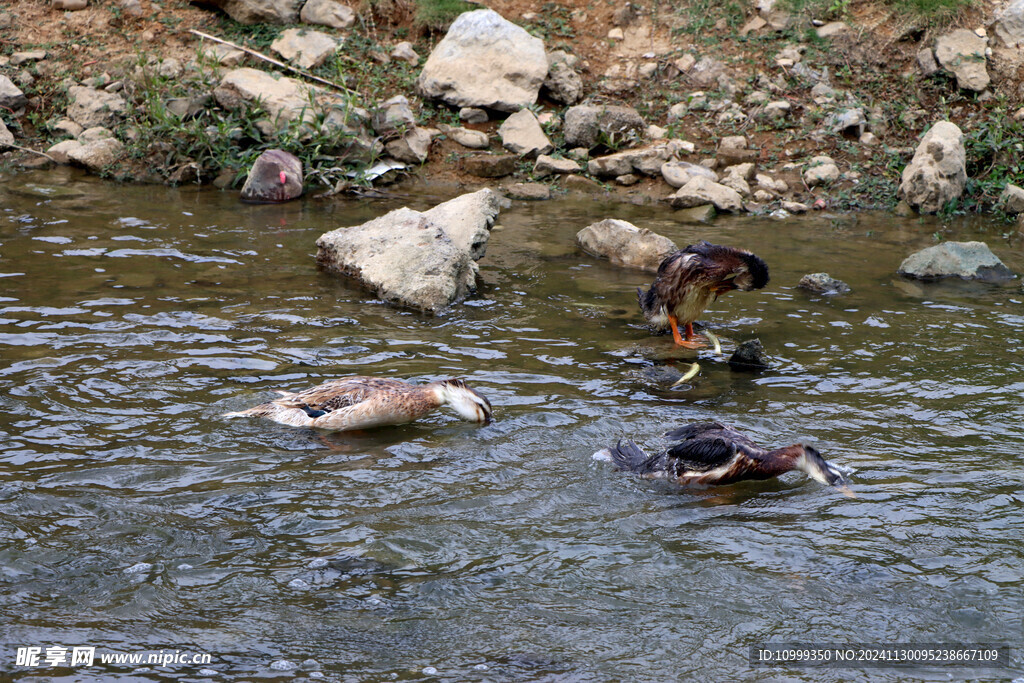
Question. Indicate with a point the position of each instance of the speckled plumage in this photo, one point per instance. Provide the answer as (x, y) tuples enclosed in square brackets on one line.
[(358, 402), (711, 454), (691, 278)]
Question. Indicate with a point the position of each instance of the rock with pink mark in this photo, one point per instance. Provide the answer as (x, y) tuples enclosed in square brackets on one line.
[(276, 176)]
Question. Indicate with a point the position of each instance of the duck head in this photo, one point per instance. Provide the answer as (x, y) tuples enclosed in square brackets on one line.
[(468, 403), (811, 463)]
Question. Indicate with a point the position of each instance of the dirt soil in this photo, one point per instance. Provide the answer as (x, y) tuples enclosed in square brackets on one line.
[(875, 61)]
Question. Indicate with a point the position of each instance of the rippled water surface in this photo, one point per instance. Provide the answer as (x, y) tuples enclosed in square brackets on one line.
[(134, 518)]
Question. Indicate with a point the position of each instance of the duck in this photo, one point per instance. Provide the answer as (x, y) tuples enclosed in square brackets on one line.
[(359, 402), (688, 281), (711, 454)]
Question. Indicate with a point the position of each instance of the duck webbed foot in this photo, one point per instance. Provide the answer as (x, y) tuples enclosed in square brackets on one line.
[(692, 341)]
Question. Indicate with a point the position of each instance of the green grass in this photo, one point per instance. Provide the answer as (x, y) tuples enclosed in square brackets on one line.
[(437, 15)]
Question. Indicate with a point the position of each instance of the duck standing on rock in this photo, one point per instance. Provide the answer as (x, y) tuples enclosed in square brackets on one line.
[(691, 278), (711, 453), (362, 402)]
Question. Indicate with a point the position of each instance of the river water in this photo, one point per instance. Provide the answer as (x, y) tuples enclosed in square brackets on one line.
[(135, 519)]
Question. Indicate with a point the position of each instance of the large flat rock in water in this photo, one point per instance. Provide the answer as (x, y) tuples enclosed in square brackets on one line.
[(422, 260), (967, 260)]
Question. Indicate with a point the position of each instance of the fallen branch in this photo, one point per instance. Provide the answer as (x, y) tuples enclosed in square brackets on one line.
[(260, 55), (27, 149)]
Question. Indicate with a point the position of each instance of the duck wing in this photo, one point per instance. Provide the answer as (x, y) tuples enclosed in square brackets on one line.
[(341, 393), (700, 455), (711, 430)]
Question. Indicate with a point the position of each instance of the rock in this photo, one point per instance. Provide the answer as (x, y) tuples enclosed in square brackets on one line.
[(11, 97), (645, 160), (926, 62), (275, 176), (472, 115), (19, 58), (707, 73), (624, 244), (6, 136), (392, 115), (546, 166), (938, 172), (282, 98), (528, 191), (733, 150), (656, 132), (777, 110), (224, 55), (616, 34), (90, 107), (485, 61), (307, 49), (68, 127), (745, 171), (94, 134), (1009, 24), (822, 170), (327, 13), (696, 214), (700, 190), (763, 196), (795, 207), (832, 29), (563, 83), (962, 53), (583, 185), (750, 355), (490, 165), (412, 148), (685, 63), (967, 260), (678, 173), (468, 219), (868, 139), (1012, 200), (474, 139), (405, 52), (755, 24), (70, 5), (60, 151), (738, 183), (850, 123), (258, 11), (823, 283), (587, 125), (627, 179), (521, 134), (96, 156), (409, 258)]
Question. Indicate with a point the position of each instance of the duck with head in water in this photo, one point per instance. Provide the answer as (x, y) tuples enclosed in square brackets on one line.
[(362, 402), (710, 453), (691, 278)]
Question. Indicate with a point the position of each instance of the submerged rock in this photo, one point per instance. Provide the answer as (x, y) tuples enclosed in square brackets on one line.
[(823, 283), (624, 244), (275, 176), (967, 260), (485, 61), (750, 355)]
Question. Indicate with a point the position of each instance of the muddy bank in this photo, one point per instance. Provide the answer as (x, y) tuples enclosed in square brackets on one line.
[(764, 111)]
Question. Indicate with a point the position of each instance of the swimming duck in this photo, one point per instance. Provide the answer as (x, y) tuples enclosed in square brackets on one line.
[(711, 453), (691, 278), (361, 402)]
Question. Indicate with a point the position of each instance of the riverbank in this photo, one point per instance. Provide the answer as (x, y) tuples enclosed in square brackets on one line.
[(790, 110)]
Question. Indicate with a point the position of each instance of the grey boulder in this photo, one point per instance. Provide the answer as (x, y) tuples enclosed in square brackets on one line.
[(938, 172), (275, 176), (967, 260), (624, 244)]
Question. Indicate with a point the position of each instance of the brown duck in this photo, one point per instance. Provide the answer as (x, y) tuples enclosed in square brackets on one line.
[(362, 402), (691, 278), (711, 453)]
